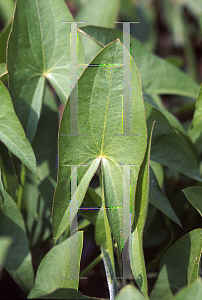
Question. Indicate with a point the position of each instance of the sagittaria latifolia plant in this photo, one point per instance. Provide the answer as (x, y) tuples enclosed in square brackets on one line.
[(142, 189)]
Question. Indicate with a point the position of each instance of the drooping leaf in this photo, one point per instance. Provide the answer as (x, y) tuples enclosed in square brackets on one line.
[(18, 261), (166, 140), (100, 122), (179, 266), (54, 271), (130, 292), (141, 205), (194, 195), (193, 291), (198, 110), (168, 78), (67, 294), (39, 48), (12, 133), (159, 199)]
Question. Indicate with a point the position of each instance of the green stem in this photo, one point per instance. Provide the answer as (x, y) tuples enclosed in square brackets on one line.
[(21, 186), (91, 266)]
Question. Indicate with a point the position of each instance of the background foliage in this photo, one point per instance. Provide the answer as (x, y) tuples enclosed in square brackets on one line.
[(166, 188)]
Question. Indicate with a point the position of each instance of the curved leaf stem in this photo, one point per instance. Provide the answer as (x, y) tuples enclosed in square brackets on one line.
[(91, 265)]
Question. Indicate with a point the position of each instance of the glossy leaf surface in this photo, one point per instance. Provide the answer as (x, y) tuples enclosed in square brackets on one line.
[(54, 269), (100, 122), (12, 133), (39, 48), (179, 266)]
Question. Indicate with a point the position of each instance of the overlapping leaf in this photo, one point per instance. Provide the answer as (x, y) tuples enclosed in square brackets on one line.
[(194, 195), (168, 78), (99, 122), (12, 133), (141, 206), (159, 199), (166, 140), (179, 266), (39, 48), (99, 13), (18, 261), (54, 271)]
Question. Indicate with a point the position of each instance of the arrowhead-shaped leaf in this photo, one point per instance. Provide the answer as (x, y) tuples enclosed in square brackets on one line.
[(39, 48), (100, 139), (12, 133)]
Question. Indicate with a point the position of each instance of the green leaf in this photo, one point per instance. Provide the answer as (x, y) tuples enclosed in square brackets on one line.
[(179, 266), (100, 13), (45, 140), (3, 41), (194, 291), (90, 201), (198, 110), (6, 9), (130, 292), (158, 171), (194, 195), (12, 134), (39, 48), (67, 294), (141, 206), (5, 243), (168, 78), (100, 142), (54, 269), (110, 274), (18, 261), (159, 199), (169, 147)]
